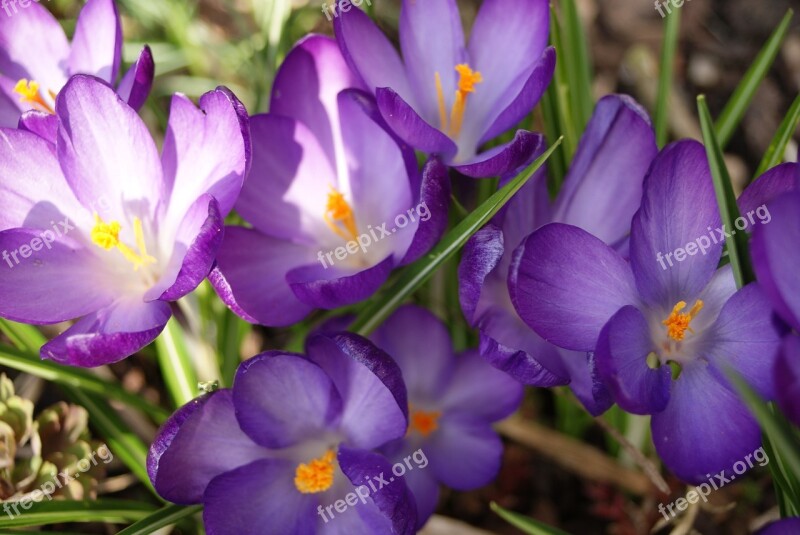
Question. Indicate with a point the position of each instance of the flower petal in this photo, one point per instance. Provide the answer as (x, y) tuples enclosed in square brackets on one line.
[(786, 526), (608, 170), (433, 207), (464, 455), (406, 122), (97, 43), (282, 399), (566, 284), (504, 159), (199, 442), (110, 334), (330, 287), (482, 254), (41, 123), (772, 184), (621, 362), (135, 86), (787, 378), (375, 407), (250, 277)]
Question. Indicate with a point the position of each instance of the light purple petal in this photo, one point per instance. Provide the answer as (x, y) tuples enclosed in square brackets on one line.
[(97, 43), (425, 489), (250, 277), (370, 383), (41, 123), (679, 207), (566, 284), (135, 86), (282, 399), (199, 442), (464, 455), (433, 207), (622, 363), (603, 188), (503, 159), (767, 187), (110, 334), (406, 122), (330, 287)]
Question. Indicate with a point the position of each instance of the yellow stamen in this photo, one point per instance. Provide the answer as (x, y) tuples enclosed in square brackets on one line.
[(317, 475), (678, 323), (106, 236), (339, 216), (423, 422), (467, 78), (29, 94), (442, 105)]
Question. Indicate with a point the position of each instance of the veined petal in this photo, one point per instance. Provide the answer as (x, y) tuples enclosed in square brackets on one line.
[(135, 86), (329, 287), (97, 43), (406, 122), (769, 186), (504, 159)]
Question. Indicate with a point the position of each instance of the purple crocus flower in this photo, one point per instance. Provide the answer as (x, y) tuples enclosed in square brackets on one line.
[(786, 526), (98, 227), (453, 400), (36, 60), (288, 449), (449, 99), (334, 201), (652, 319), (601, 193)]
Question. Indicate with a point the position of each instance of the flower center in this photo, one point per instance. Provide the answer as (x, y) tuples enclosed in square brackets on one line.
[(317, 475), (467, 78), (30, 94), (423, 422), (339, 216), (679, 322), (106, 236)]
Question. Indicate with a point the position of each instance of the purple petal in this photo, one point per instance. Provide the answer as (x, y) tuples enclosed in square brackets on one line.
[(432, 41), (775, 258), (399, 337), (91, 121), (257, 495), (43, 124), (506, 158), (135, 86), (250, 277), (283, 399), (394, 501), (678, 196), (787, 378), (206, 150), (566, 284), (528, 210), (621, 359), (97, 43), (307, 86), (425, 489), (705, 428), (110, 334), (370, 54), (786, 526), (482, 254), (47, 282), (406, 122), (464, 455), (478, 391), (371, 386), (435, 198), (771, 185), (606, 175), (330, 287), (199, 442), (584, 382), (9, 106)]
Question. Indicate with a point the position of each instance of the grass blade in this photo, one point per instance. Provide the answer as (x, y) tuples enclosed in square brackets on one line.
[(414, 276), (59, 512), (576, 58), (525, 524), (777, 147), (726, 199), (671, 34), (167, 516), (176, 364), (734, 110)]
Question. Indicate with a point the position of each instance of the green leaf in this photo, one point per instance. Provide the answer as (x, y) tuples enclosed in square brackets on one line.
[(525, 524), (736, 107), (671, 34), (176, 364), (77, 378), (777, 147), (726, 199), (57, 512), (561, 89), (578, 66), (169, 515), (414, 276)]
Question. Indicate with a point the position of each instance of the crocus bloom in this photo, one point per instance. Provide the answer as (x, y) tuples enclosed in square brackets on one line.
[(36, 60), (786, 526), (649, 323), (291, 439), (335, 203), (449, 99), (601, 193), (98, 227), (453, 400)]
